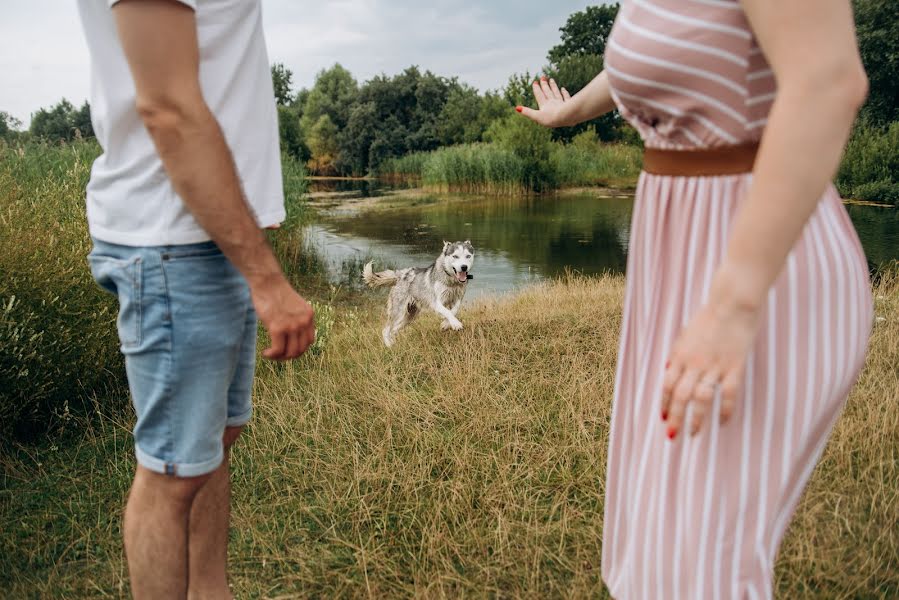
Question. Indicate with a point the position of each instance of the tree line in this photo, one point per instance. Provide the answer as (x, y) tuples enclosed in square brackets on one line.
[(342, 127)]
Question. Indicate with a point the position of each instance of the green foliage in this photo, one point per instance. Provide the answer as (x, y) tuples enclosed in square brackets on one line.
[(507, 166), (282, 81), (58, 345), (585, 33), (9, 126), (588, 161), (394, 116), (334, 94), (322, 140), (877, 23), (870, 167), (476, 168), (532, 144), (62, 122), (467, 115), (292, 140), (59, 349), (519, 90)]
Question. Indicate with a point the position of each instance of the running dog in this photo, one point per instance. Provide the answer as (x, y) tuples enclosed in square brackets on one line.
[(439, 287)]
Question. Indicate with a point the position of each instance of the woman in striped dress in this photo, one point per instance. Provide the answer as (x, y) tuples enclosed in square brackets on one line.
[(748, 307)]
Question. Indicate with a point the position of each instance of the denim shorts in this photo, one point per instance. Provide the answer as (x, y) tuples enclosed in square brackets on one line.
[(188, 332)]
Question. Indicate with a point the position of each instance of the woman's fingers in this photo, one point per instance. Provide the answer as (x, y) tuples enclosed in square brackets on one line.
[(683, 393), (669, 381), (544, 85), (730, 390), (565, 95), (703, 399), (539, 94), (554, 88)]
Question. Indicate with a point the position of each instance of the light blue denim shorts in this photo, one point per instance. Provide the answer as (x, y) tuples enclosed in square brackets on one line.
[(188, 332)]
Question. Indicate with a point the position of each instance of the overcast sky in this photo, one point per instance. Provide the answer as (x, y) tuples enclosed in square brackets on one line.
[(43, 56)]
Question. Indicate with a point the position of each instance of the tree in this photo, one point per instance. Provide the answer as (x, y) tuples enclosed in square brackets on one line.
[(282, 81), (9, 126), (81, 121), (877, 23), (322, 140), (292, 140), (466, 115), (334, 93), (586, 32), (392, 117), (62, 122)]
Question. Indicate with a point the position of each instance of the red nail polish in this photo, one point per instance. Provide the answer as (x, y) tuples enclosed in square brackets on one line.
[(668, 365), (672, 433), (664, 415), (519, 108)]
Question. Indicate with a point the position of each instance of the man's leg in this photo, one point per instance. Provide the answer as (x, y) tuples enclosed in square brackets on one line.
[(156, 530), (210, 518)]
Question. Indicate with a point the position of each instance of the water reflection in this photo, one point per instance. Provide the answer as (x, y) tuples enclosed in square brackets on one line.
[(518, 240)]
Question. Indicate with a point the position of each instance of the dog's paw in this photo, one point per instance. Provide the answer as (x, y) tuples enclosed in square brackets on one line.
[(456, 326), (445, 326)]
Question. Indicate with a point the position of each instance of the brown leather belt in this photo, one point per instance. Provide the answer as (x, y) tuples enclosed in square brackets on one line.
[(727, 160)]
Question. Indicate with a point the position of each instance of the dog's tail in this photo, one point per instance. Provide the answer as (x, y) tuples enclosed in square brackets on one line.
[(381, 279)]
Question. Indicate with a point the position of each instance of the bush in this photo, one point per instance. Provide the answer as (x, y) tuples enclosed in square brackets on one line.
[(58, 345), (588, 161), (870, 167), (532, 144)]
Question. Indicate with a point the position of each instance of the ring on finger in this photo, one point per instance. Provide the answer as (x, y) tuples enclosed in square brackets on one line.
[(712, 383)]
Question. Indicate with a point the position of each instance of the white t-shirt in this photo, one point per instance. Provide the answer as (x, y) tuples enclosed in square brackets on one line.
[(130, 200)]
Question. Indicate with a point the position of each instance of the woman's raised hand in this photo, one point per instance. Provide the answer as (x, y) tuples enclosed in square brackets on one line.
[(551, 102)]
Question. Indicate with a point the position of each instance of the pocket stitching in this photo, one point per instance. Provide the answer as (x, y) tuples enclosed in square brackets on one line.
[(137, 280)]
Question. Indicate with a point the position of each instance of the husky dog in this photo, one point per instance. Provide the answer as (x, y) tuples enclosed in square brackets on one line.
[(439, 287)]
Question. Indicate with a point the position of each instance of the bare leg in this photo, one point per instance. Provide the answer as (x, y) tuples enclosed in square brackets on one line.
[(210, 518), (156, 533)]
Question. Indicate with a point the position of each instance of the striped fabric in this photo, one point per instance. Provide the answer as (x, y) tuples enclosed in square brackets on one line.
[(688, 73), (704, 517)]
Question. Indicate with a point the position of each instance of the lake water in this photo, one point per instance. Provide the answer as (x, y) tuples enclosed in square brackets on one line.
[(517, 240)]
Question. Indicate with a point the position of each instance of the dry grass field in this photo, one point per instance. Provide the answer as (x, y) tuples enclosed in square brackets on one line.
[(467, 465)]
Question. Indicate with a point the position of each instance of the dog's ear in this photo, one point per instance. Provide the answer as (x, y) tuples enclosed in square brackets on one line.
[(468, 246), (446, 247)]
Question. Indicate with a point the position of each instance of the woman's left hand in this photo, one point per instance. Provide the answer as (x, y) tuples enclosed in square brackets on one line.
[(708, 356)]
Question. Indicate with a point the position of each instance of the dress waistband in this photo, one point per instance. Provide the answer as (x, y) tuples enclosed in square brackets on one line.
[(727, 160)]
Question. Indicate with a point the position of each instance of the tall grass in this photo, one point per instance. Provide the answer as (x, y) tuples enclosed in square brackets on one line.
[(59, 354), (870, 167), (588, 161), (490, 168), (398, 474), (57, 349)]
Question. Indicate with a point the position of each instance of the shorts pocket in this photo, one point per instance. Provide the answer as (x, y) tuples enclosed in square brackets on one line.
[(122, 278)]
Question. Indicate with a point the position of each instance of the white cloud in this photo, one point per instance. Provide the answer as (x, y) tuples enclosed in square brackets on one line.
[(43, 57)]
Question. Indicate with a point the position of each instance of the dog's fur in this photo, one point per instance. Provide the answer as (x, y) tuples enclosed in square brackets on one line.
[(440, 287)]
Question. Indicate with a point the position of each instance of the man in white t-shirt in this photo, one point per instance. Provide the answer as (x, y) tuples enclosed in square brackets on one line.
[(183, 106)]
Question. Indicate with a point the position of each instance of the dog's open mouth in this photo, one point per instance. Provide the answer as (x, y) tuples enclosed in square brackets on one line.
[(462, 276)]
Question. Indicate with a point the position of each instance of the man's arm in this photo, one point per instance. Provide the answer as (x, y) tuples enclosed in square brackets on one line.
[(159, 38)]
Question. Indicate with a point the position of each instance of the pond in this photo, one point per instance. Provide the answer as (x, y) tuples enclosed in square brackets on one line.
[(518, 240)]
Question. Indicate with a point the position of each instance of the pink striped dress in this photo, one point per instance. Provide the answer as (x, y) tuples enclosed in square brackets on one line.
[(703, 517)]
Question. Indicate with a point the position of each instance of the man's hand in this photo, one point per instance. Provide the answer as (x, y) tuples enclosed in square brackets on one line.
[(289, 319)]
